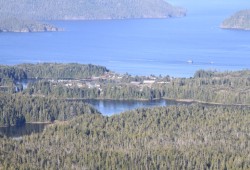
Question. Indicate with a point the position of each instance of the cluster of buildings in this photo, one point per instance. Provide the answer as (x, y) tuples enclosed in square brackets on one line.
[(96, 82)]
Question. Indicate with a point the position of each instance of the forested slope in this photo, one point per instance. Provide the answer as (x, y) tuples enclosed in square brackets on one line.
[(196, 136), (22, 25), (62, 71), (239, 20), (88, 9), (16, 108), (50, 71), (205, 86), (19, 109), (11, 76), (177, 137)]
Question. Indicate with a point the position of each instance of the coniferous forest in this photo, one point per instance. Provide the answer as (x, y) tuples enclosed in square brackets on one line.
[(211, 133), (177, 137)]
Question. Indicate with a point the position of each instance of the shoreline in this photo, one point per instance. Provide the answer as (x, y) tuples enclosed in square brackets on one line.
[(26, 123), (164, 98), (203, 102), (190, 101), (38, 122)]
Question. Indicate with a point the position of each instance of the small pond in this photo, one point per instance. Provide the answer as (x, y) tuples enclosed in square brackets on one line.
[(106, 107), (18, 131), (111, 107)]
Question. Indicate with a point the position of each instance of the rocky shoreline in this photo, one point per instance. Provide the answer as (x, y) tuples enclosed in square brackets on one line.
[(25, 26)]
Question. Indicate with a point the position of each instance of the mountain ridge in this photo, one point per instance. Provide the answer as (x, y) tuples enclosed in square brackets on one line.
[(88, 10)]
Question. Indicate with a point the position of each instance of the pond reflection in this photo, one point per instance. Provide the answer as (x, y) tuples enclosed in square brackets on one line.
[(111, 107), (18, 131)]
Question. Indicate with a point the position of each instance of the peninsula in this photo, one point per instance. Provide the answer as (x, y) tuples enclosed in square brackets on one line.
[(13, 14), (21, 25), (240, 20)]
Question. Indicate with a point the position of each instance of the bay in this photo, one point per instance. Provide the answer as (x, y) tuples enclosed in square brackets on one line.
[(139, 46)]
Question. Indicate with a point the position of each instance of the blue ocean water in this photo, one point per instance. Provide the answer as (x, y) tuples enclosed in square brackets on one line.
[(138, 47)]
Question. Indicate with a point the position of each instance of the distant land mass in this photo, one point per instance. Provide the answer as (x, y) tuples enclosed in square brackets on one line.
[(21, 25), (88, 9), (240, 20)]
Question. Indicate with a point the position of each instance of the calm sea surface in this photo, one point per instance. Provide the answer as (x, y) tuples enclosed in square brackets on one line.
[(138, 47)]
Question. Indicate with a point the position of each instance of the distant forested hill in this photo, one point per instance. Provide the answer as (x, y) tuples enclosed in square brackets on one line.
[(240, 20), (88, 9), (21, 25)]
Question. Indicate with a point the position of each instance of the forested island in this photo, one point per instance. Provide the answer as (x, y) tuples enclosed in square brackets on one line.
[(211, 133), (86, 9), (24, 25), (240, 20)]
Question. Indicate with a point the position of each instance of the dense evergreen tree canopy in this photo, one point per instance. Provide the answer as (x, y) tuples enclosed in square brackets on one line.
[(177, 137), (206, 86), (18, 109), (62, 71), (213, 134), (50, 71)]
